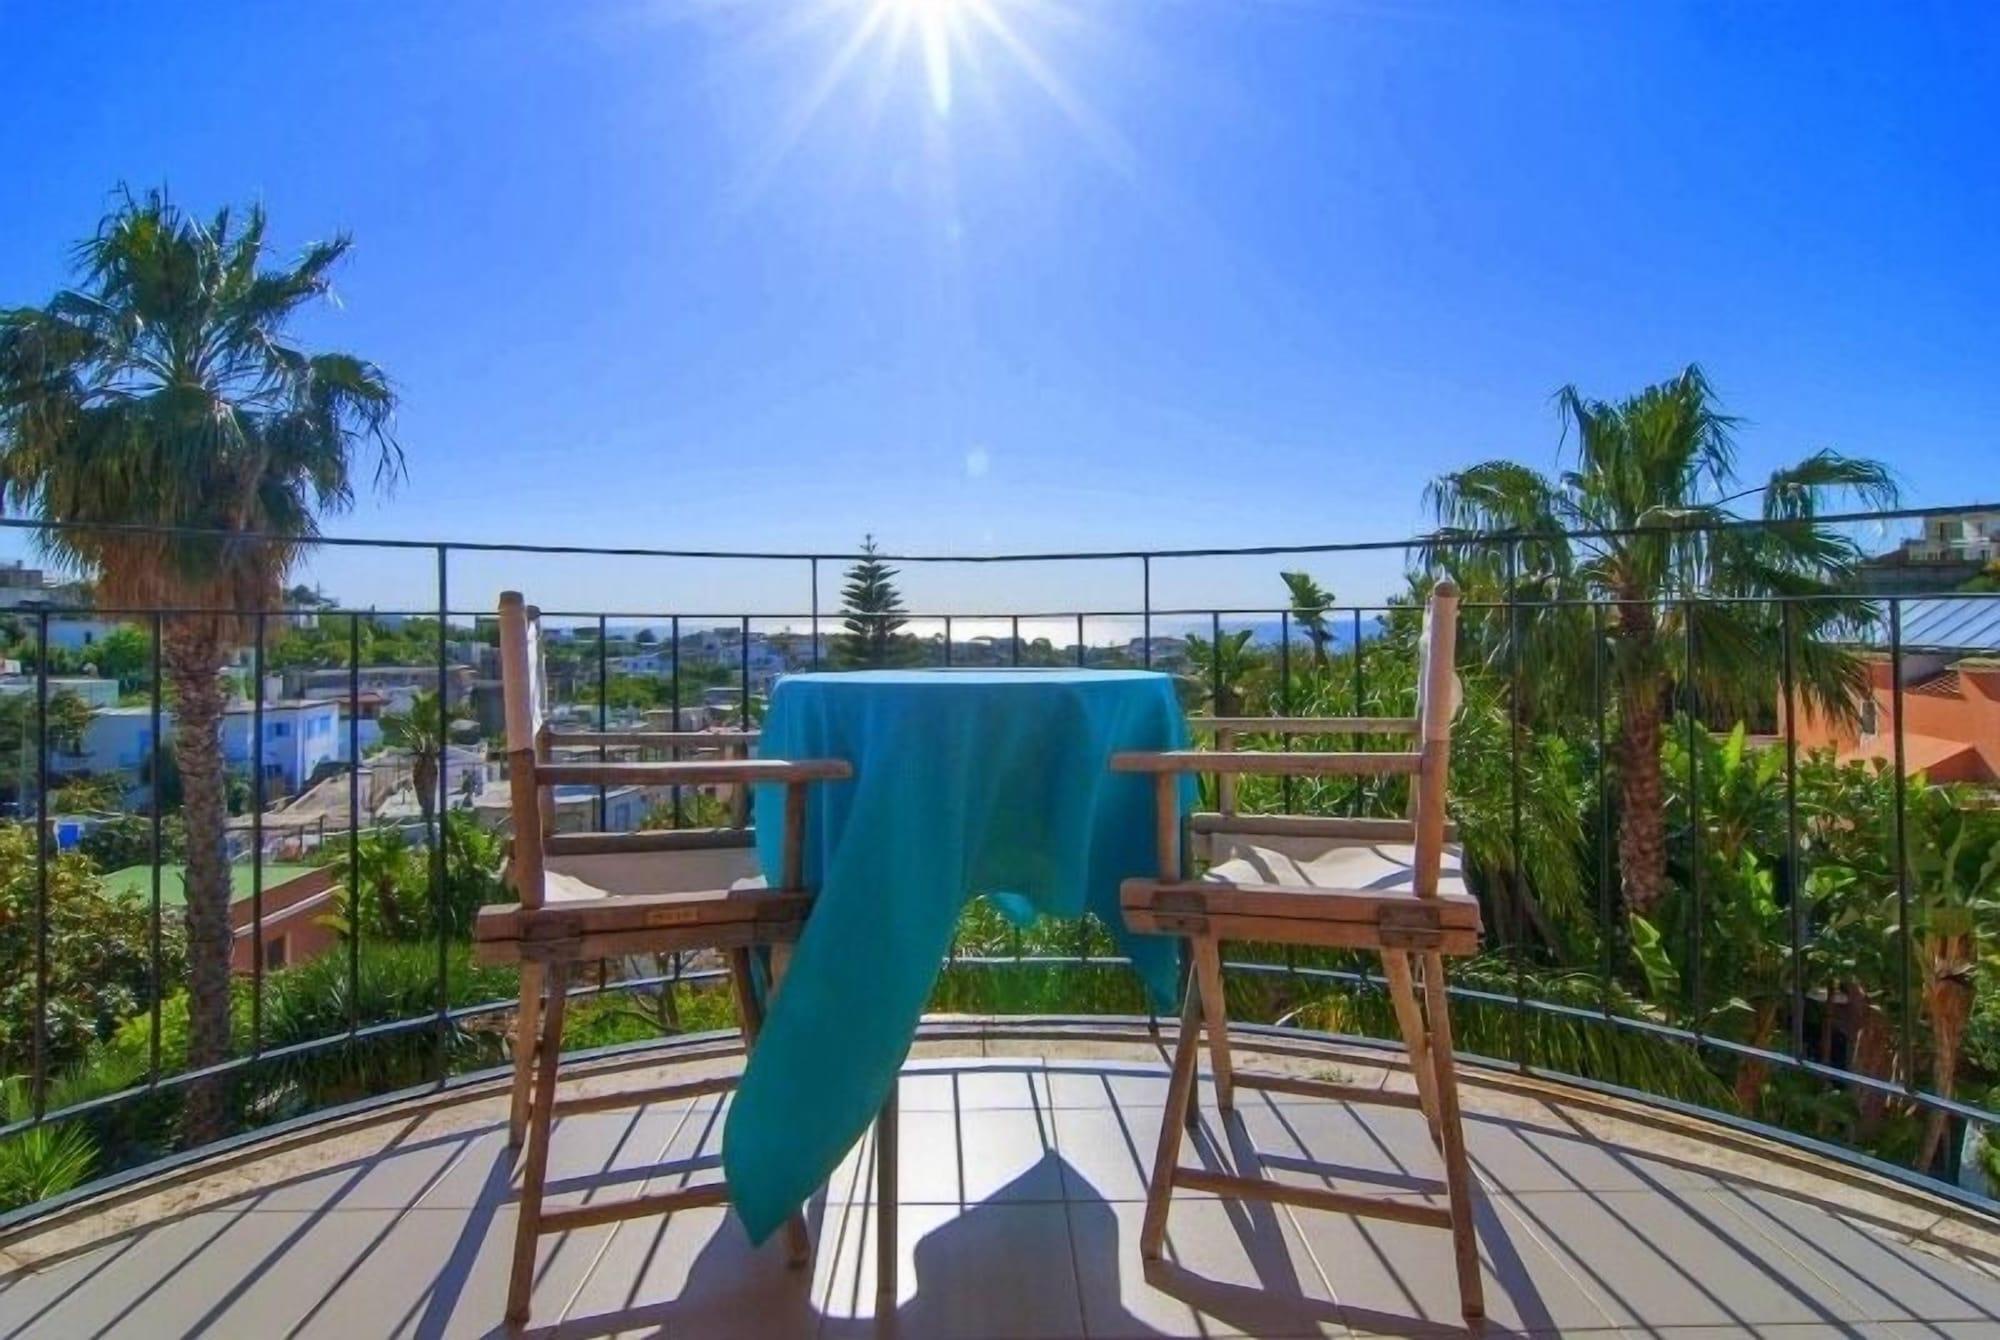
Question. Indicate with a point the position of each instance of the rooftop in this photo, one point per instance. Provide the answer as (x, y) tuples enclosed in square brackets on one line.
[(1021, 1183), (136, 881)]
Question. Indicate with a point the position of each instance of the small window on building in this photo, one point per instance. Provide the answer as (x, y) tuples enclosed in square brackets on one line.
[(1869, 723), (276, 953)]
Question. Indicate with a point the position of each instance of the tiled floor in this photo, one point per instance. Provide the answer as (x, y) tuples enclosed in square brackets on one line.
[(1021, 1183)]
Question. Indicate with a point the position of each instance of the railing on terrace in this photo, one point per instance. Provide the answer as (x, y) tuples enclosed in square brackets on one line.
[(1835, 1000)]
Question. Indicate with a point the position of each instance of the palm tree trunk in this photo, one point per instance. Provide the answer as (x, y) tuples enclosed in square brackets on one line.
[(424, 777), (1642, 797), (1754, 1070), (1948, 1000), (1871, 1052), (193, 653)]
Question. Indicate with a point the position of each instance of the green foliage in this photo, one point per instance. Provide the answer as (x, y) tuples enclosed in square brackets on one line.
[(1222, 668), (99, 953), (395, 982), (128, 840), (397, 901), (43, 1161)]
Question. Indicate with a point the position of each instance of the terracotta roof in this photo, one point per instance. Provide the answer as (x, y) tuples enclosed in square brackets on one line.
[(1921, 753), (1944, 684)]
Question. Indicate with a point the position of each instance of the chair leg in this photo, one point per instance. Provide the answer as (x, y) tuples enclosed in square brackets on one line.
[(1416, 1035), (798, 1238), (887, 1154), (1457, 1177), (527, 1024), (1180, 1099), (1215, 1017), (527, 1229)]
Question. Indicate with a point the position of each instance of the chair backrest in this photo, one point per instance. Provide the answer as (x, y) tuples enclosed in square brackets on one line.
[(1439, 691), (521, 683), (521, 694), (1438, 696), (1305, 837)]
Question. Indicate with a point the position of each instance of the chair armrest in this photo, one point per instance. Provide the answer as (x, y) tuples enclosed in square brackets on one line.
[(1267, 764), (732, 771), (1307, 725)]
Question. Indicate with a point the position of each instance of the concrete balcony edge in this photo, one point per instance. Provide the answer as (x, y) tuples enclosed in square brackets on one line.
[(1926, 1211)]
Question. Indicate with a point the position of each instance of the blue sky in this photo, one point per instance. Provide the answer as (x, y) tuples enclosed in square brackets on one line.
[(1052, 273)]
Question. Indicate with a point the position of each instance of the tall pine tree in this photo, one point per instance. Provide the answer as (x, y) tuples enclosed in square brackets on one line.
[(874, 615)]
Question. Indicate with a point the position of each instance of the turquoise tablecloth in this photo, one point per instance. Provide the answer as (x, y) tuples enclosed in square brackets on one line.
[(965, 782)]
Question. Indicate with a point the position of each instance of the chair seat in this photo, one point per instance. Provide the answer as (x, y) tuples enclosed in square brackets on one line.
[(574, 877), (609, 904), (1361, 896), (1377, 867)]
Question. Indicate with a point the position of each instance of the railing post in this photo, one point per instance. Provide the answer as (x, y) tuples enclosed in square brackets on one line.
[(1606, 932), (1146, 611), (815, 614), (260, 630), (40, 1084), (674, 753), (1794, 883), (1516, 889), (603, 714), (1284, 701), (354, 896), (1692, 729), (1015, 642), (1360, 688), (1903, 949), (153, 808), (440, 873)]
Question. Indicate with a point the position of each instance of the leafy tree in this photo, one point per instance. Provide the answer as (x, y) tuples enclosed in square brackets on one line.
[(88, 795), (1653, 478), (874, 616), (68, 717), (1310, 601), (99, 961), (124, 654), (164, 389), (128, 840)]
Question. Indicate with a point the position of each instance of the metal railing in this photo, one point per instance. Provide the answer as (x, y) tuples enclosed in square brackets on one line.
[(1358, 626)]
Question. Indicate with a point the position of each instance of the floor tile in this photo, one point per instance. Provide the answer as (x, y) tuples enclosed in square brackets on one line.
[(1107, 1153), (1229, 1270), (695, 1274), (1392, 1276), (993, 1270), (1657, 1259), (1884, 1278)]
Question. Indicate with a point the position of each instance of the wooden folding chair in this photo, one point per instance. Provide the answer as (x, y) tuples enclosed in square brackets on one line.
[(592, 896), (1392, 886)]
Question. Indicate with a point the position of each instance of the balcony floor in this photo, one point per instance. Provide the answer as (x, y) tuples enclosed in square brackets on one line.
[(1022, 1179)]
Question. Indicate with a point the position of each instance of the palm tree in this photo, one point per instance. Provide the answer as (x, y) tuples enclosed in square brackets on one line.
[(1221, 667), (161, 391), (1652, 484), (423, 731), (1309, 605)]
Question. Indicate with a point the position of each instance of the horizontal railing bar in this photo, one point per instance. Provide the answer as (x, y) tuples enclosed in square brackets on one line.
[(1440, 539)]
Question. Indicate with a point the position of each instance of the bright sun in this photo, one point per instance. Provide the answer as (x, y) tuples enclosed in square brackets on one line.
[(938, 25)]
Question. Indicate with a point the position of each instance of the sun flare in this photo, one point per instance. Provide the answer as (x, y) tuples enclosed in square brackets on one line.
[(937, 26)]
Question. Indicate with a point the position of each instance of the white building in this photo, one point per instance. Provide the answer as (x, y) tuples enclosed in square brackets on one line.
[(299, 736), (98, 693), (1958, 537)]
